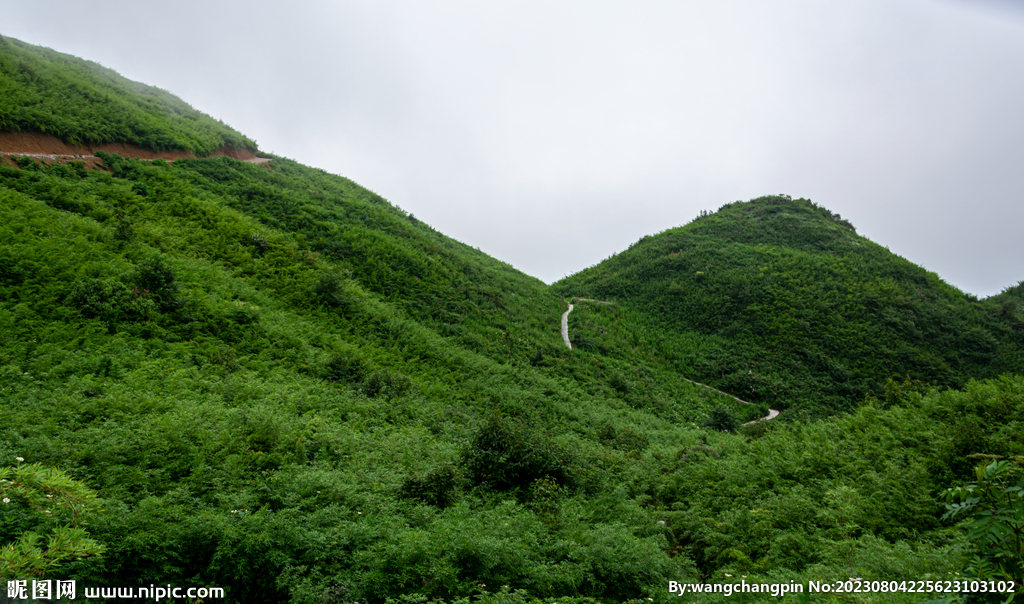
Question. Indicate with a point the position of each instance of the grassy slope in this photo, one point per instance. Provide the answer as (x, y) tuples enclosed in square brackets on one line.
[(253, 387), (783, 303), (82, 102), (307, 409)]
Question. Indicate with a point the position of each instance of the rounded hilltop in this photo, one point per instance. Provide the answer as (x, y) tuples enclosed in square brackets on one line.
[(792, 306)]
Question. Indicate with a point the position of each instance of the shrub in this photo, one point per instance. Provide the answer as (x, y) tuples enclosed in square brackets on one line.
[(722, 419), (581, 342), (995, 504), (344, 368), (623, 439), (260, 243), (544, 496), (620, 383), (901, 394), (439, 487), (157, 278), (110, 301), (386, 383), (43, 511), (123, 230), (77, 167), (1008, 308), (505, 454), (330, 290)]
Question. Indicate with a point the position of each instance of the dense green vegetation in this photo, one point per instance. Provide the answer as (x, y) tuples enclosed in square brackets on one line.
[(781, 302), (274, 381), (82, 102), (253, 413)]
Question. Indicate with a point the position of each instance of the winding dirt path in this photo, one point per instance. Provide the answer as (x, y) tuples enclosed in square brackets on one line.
[(565, 327), (772, 413)]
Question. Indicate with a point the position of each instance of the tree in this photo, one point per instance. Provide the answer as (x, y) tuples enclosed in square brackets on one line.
[(722, 419), (995, 505)]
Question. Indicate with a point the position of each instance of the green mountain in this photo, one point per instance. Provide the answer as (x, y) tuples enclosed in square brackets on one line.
[(269, 379), (792, 308)]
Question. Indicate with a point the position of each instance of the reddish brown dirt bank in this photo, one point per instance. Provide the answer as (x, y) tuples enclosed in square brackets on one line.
[(36, 144)]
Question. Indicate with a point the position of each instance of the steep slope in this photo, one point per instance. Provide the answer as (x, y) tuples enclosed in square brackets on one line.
[(250, 414), (791, 307), (278, 382), (83, 103)]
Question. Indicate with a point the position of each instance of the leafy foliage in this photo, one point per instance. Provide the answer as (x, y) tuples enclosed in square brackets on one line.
[(721, 419), (110, 301), (156, 279), (44, 510), (438, 487), (506, 454), (995, 504)]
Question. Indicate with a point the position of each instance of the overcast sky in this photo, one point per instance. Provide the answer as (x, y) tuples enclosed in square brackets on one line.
[(552, 135)]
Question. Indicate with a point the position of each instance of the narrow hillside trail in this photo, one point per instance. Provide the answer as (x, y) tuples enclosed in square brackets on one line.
[(772, 413), (565, 327)]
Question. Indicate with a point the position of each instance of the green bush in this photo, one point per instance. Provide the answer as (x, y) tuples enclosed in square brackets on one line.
[(994, 505), (623, 439), (438, 487), (155, 277), (385, 383), (111, 301), (345, 368), (506, 454), (620, 383), (260, 243), (330, 290), (43, 510), (124, 230), (722, 419)]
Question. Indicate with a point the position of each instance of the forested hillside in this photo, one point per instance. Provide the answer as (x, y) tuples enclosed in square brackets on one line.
[(792, 308), (84, 103), (269, 379)]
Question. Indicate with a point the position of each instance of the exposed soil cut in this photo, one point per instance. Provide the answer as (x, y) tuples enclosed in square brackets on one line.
[(35, 144)]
